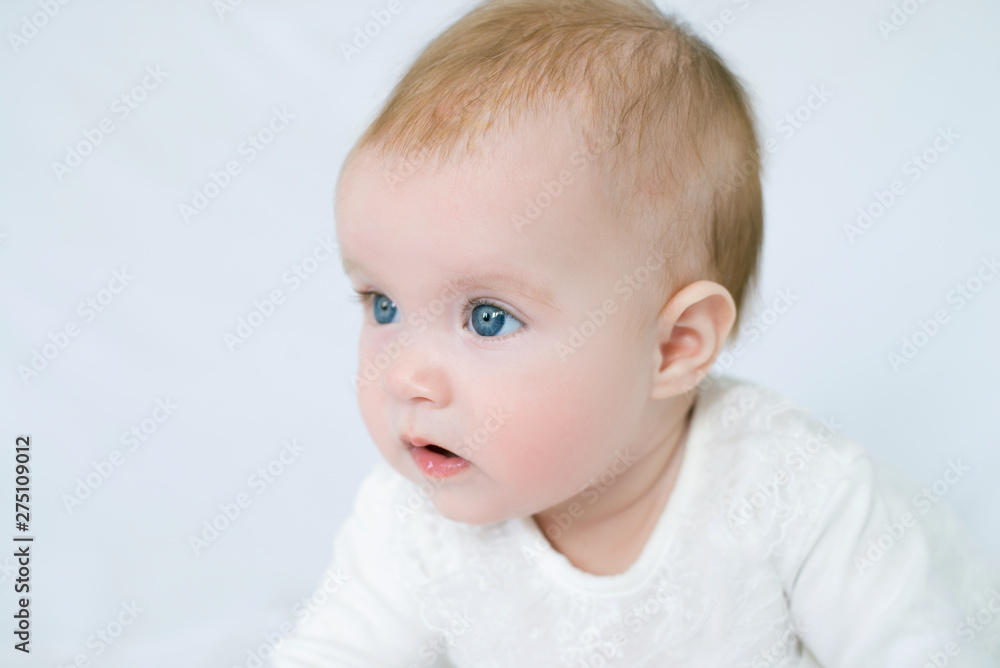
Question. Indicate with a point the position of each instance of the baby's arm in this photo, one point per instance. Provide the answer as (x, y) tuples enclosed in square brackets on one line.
[(368, 621), (889, 579)]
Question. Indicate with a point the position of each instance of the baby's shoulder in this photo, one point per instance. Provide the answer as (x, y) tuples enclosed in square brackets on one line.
[(745, 424), (770, 464)]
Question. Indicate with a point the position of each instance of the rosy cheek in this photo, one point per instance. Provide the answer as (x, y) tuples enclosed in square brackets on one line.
[(553, 437)]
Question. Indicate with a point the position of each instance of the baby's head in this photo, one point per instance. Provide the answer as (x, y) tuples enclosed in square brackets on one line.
[(555, 217)]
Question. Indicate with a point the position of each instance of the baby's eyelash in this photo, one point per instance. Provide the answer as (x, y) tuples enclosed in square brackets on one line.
[(362, 296)]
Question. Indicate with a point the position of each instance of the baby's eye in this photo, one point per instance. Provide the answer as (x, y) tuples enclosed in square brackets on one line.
[(490, 320), (383, 308)]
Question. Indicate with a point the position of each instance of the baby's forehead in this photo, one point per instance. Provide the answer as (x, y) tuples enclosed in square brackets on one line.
[(529, 201), (533, 186)]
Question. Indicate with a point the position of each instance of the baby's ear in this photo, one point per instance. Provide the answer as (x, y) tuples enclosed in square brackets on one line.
[(691, 331)]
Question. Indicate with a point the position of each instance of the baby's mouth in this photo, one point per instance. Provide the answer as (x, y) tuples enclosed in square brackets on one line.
[(440, 450), (436, 462)]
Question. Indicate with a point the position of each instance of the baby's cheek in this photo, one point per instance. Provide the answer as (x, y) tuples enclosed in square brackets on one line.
[(556, 435), (371, 405), (366, 406)]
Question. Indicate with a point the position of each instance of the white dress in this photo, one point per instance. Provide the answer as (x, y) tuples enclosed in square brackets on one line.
[(783, 544)]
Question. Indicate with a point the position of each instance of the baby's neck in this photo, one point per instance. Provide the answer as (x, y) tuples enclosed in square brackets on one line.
[(609, 537)]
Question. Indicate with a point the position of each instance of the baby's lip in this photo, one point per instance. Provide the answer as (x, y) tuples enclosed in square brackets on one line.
[(417, 442)]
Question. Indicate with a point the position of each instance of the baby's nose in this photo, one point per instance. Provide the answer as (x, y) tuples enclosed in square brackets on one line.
[(415, 369)]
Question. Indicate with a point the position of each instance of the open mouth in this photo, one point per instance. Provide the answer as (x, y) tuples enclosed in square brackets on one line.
[(435, 461), (441, 451)]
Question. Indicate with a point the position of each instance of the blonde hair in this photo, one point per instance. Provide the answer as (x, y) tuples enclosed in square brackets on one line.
[(672, 125)]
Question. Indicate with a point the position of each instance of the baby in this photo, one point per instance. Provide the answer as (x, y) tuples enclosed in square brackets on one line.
[(552, 225)]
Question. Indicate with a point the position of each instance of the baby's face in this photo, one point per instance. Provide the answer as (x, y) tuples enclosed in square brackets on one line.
[(467, 341)]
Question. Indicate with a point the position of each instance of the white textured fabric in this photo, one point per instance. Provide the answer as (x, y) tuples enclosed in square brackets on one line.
[(783, 544)]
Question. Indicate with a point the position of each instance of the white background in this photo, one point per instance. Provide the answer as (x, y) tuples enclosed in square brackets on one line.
[(162, 336)]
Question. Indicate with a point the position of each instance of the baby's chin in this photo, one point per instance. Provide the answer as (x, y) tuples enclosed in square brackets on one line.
[(459, 507), (468, 498), (466, 515)]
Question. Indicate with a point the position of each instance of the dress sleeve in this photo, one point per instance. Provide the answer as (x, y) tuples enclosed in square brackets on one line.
[(890, 577), (368, 619)]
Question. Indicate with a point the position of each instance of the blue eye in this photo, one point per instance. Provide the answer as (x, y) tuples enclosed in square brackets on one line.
[(489, 320), (383, 308)]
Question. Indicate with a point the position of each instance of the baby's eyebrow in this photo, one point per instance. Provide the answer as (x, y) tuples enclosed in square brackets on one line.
[(506, 283), (349, 265)]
